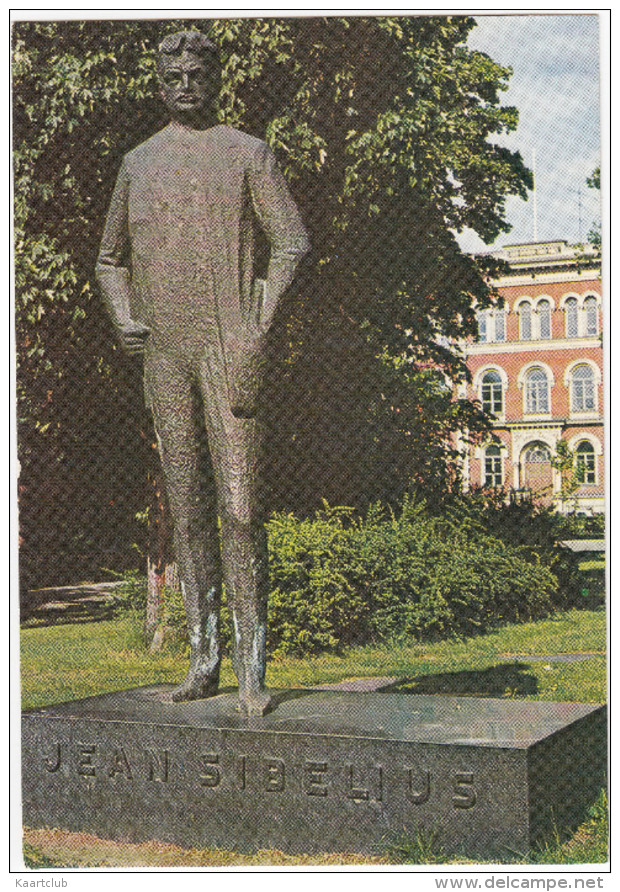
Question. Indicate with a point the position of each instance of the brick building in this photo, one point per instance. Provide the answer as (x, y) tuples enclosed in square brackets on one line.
[(537, 366)]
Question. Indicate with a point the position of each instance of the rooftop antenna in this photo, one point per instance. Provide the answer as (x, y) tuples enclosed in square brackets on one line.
[(535, 206)]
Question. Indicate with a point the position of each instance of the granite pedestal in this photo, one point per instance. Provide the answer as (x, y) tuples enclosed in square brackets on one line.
[(325, 770)]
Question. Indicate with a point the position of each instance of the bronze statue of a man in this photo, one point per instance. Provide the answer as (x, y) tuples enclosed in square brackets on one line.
[(176, 269)]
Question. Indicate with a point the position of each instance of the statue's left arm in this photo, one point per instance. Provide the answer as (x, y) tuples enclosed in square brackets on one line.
[(282, 224)]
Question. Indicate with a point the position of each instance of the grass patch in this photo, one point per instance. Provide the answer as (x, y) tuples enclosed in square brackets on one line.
[(589, 845), (476, 665), (592, 564), (59, 848), (73, 661), (424, 847)]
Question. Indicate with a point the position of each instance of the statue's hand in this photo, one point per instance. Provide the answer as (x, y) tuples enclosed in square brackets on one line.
[(246, 365), (133, 337)]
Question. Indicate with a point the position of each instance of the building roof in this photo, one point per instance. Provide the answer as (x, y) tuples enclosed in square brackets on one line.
[(538, 256)]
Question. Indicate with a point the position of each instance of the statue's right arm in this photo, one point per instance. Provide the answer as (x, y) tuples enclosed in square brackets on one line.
[(112, 268)]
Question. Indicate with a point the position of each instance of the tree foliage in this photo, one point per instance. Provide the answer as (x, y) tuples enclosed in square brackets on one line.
[(384, 128), (594, 182)]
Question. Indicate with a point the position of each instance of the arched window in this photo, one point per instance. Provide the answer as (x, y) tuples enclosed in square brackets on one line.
[(493, 475), (536, 391), (582, 389), (492, 393), (544, 319), (500, 323), (525, 321), (571, 317), (585, 463), (591, 313), (537, 453)]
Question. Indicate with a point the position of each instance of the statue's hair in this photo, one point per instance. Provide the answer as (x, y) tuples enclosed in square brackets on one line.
[(190, 41)]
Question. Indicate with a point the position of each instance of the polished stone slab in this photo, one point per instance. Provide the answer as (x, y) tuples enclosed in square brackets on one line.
[(325, 770)]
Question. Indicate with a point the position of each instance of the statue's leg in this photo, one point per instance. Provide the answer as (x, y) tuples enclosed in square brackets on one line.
[(236, 451), (192, 499), (244, 554)]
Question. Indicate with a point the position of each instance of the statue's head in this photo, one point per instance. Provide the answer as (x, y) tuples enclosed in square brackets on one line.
[(189, 74)]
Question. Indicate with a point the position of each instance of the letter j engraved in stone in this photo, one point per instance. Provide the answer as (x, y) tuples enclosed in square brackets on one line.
[(379, 784), (52, 763)]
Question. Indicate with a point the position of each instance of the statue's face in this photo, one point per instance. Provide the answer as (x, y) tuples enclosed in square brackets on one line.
[(189, 87)]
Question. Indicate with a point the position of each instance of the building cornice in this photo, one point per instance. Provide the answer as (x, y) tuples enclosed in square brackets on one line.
[(548, 424), (551, 424), (520, 278), (494, 348)]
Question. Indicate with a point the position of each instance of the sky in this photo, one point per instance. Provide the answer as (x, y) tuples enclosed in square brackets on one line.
[(555, 87)]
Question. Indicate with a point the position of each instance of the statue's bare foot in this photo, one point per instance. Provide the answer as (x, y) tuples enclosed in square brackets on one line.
[(257, 703), (198, 685)]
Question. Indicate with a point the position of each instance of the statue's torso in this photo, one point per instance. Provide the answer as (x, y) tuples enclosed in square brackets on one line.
[(190, 227)]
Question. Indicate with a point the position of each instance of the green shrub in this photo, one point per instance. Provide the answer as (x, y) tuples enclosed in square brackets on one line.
[(130, 596), (313, 603), (534, 532), (338, 580)]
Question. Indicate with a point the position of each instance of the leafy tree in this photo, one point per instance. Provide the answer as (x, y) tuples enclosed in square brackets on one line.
[(594, 182), (564, 462), (384, 128)]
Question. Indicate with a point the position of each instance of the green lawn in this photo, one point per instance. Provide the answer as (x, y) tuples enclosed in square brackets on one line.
[(592, 564), (73, 661)]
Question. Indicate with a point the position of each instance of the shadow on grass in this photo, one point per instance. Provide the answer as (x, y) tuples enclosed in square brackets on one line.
[(83, 610), (508, 679)]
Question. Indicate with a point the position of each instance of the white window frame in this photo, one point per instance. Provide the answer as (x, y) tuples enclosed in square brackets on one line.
[(476, 384), (536, 444), (585, 437), (522, 380), (525, 302), (494, 386), (488, 323), (582, 389), (569, 384), (589, 300), (587, 468), (497, 466), (584, 301), (533, 391), (573, 300), (549, 304)]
